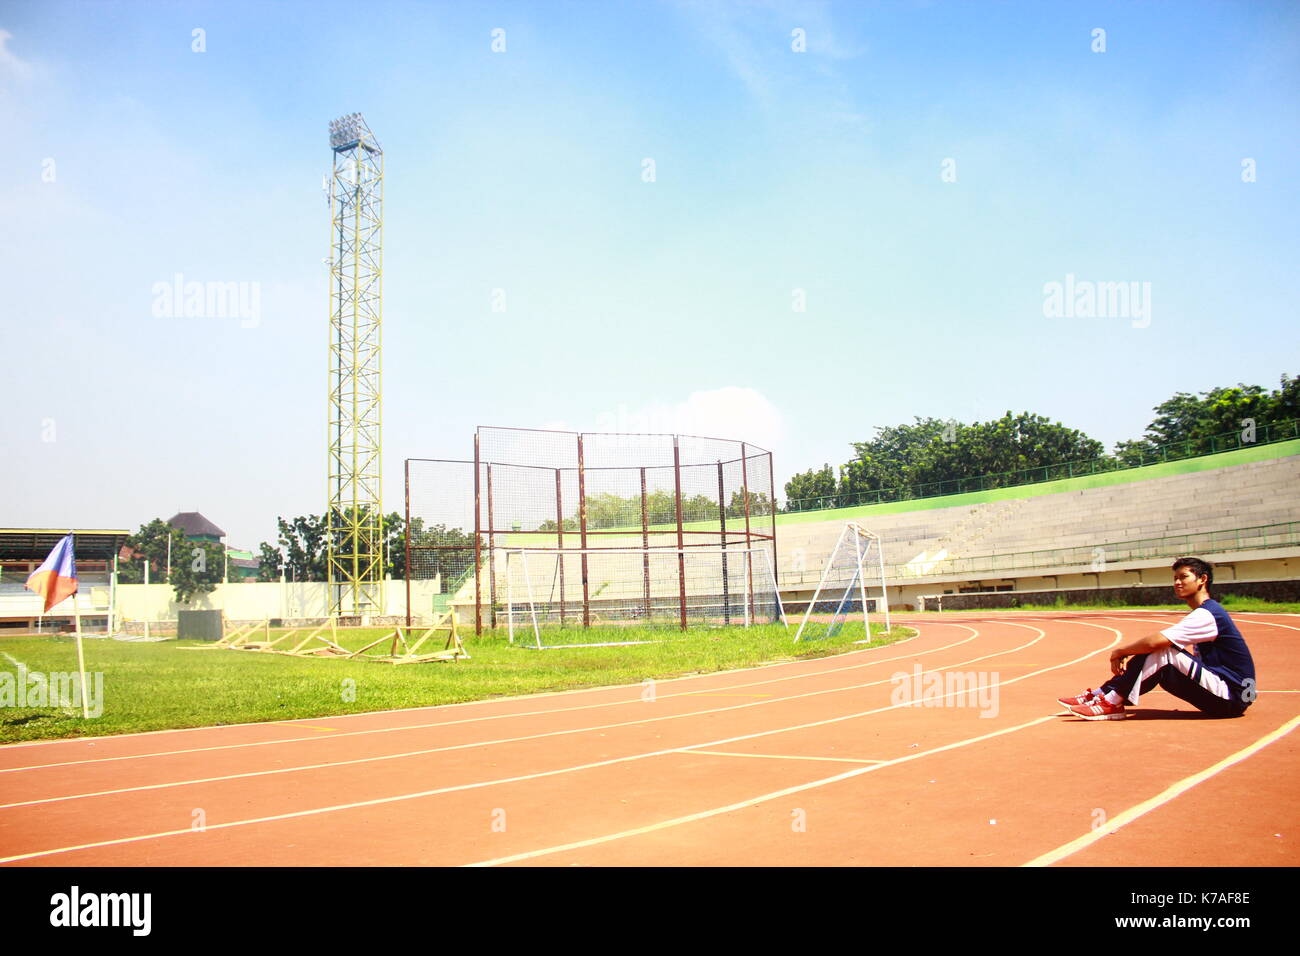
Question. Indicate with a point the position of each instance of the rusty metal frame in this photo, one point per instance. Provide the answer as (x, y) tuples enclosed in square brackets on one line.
[(478, 548), (751, 536), (406, 536), (559, 535), (492, 551), (681, 558), (582, 530)]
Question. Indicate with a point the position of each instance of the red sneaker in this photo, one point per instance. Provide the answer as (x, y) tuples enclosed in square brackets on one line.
[(1099, 708), (1084, 698)]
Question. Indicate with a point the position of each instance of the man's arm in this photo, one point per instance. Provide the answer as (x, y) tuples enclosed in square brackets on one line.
[(1196, 628), (1143, 645)]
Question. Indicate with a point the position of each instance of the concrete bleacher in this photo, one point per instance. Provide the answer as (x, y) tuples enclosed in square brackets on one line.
[(1258, 493), (930, 543), (1239, 496)]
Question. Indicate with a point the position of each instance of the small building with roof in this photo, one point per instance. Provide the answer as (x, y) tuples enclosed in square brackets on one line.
[(195, 527)]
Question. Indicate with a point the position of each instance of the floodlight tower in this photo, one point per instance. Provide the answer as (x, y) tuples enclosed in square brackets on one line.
[(354, 517)]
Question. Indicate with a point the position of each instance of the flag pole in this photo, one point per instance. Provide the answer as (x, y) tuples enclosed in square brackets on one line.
[(112, 597), (81, 656)]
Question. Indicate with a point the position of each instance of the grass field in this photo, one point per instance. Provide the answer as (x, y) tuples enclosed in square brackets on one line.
[(157, 686)]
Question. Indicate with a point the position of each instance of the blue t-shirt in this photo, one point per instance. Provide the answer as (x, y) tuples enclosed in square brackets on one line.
[(1227, 654)]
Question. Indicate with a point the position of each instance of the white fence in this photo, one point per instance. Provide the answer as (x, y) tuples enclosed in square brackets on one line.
[(250, 601), (16, 601)]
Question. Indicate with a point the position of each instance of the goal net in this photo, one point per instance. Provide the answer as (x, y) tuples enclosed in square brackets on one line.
[(601, 596), (856, 565)]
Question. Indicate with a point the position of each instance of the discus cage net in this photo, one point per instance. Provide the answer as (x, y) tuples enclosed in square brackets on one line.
[(567, 530)]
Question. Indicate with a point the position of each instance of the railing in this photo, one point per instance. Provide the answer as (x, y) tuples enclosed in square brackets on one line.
[(1096, 557), (1282, 535), (460, 580), (1174, 451)]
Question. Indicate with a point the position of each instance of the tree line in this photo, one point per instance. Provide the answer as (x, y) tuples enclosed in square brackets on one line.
[(191, 567), (932, 452), (927, 453), (298, 554), (608, 510)]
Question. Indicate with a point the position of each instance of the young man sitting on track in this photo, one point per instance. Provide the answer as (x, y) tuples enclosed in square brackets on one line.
[(1202, 659)]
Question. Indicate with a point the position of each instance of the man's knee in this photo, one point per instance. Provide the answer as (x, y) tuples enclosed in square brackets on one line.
[(1179, 686), (1136, 662), (1222, 708)]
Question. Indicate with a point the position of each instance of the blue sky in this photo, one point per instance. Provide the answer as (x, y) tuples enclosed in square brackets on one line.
[(630, 305)]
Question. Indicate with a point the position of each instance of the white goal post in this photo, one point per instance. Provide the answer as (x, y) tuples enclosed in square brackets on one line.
[(849, 566), (570, 591)]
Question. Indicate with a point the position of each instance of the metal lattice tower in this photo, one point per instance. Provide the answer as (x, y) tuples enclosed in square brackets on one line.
[(354, 517)]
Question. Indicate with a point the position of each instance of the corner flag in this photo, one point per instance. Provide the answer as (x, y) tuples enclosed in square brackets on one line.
[(56, 579)]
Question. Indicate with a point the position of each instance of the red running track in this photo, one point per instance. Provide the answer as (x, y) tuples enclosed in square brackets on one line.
[(821, 762)]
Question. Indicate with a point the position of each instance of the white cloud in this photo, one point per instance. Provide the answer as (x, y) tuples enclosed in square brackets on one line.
[(749, 35), (741, 414), (10, 63), (720, 25)]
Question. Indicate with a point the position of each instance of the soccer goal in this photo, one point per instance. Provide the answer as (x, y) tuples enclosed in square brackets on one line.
[(597, 597), (846, 574)]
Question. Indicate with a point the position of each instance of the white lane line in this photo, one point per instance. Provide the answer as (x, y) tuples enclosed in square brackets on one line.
[(470, 720), (728, 753), (64, 708), (481, 743), (1149, 620), (1289, 627), (551, 773), (751, 801), (1175, 790), (851, 773)]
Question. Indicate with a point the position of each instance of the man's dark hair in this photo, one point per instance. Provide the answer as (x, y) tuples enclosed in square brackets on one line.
[(1198, 568)]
